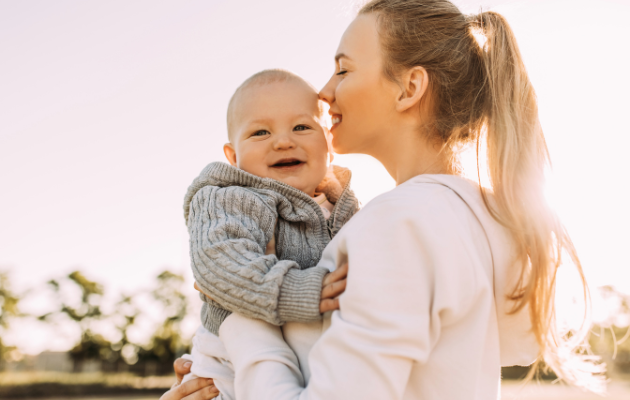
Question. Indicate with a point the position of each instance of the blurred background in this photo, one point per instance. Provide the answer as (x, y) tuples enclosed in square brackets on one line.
[(109, 109)]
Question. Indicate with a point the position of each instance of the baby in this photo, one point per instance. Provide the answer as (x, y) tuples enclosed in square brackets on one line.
[(259, 225)]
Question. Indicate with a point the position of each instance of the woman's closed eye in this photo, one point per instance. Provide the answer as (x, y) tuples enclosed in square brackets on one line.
[(342, 72)]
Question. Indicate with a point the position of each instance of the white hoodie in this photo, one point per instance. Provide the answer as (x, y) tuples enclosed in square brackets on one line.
[(424, 314)]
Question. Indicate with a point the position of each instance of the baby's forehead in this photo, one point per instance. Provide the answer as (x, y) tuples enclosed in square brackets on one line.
[(288, 89), (273, 93), (287, 96)]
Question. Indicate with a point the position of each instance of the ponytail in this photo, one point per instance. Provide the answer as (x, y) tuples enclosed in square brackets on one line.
[(480, 90), (517, 158)]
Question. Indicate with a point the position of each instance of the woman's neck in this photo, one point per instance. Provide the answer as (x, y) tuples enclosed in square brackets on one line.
[(412, 155)]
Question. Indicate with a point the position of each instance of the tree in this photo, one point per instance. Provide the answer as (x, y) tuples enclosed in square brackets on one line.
[(166, 343), (610, 337), (9, 309), (85, 312), (126, 313), (80, 300)]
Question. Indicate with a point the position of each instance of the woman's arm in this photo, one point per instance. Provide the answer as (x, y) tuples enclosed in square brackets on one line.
[(389, 316)]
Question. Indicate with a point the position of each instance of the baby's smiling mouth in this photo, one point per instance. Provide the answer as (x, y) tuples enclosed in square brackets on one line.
[(287, 163)]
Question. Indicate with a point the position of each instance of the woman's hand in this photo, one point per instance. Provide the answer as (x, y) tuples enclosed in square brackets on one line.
[(196, 389), (197, 288), (333, 285), (182, 367)]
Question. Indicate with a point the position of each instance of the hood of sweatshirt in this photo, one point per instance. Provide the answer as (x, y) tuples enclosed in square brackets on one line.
[(518, 344)]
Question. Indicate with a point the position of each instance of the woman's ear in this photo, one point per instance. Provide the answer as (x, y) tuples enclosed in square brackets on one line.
[(414, 83), (230, 153)]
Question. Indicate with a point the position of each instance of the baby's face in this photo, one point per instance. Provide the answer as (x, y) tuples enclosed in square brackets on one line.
[(276, 132)]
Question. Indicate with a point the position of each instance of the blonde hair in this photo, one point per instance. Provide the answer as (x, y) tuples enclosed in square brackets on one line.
[(261, 78), (482, 89)]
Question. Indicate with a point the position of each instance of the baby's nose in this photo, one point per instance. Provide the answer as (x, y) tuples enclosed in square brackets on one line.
[(284, 142)]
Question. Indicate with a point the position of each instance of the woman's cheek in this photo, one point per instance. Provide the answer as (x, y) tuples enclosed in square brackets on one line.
[(340, 95), (349, 100)]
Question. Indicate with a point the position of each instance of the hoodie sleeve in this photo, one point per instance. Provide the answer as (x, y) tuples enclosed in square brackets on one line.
[(229, 229), (405, 285)]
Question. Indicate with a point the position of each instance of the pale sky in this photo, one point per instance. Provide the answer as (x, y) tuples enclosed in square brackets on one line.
[(109, 109)]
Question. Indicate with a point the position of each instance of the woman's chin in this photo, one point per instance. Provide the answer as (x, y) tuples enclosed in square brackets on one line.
[(340, 148)]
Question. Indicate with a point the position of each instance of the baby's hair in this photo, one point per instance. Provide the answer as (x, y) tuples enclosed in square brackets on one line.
[(261, 78)]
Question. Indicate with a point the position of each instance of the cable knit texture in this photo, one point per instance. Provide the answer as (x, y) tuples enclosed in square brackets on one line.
[(232, 215)]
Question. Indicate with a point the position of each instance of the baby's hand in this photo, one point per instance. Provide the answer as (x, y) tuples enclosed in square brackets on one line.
[(333, 285)]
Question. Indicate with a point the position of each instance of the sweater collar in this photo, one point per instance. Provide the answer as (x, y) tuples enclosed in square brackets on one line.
[(336, 187)]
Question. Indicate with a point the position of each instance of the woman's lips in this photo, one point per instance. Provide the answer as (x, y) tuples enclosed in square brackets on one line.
[(336, 120)]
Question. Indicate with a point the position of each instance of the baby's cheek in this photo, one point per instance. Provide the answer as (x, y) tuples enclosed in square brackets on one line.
[(319, 172), (253, 166)]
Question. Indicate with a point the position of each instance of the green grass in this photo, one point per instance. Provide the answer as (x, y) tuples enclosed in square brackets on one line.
[(56, 384)]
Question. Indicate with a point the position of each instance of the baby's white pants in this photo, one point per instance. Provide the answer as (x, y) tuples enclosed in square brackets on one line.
[(210, 360)]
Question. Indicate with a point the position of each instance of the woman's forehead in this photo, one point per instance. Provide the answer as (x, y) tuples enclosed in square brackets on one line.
[(360, 40)]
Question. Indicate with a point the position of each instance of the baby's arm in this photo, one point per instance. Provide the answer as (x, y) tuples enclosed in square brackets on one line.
[(333, 285), (229, 231)]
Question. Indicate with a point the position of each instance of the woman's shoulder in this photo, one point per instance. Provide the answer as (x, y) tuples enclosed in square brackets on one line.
[(438, 207), (434, 193)]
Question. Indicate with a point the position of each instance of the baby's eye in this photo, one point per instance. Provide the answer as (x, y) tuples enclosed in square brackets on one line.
[(261, 132), (301, 128), (341, 72)]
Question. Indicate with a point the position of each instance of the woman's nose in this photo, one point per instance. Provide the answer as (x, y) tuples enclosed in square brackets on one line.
[(327, 93)]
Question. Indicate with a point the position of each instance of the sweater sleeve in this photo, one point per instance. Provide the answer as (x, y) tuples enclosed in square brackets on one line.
[(229, 229), (390, 316)]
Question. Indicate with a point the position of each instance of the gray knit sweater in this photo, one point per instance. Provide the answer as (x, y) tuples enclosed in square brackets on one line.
[(232, 215)]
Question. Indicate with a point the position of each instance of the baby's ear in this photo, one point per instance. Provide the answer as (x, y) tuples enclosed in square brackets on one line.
[(230, 153)]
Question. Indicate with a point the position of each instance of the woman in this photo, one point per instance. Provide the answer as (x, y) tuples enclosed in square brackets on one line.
[(447, 281)]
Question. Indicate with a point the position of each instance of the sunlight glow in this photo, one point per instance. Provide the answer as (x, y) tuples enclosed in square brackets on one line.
[(99, 142)]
